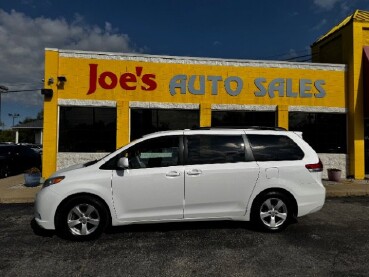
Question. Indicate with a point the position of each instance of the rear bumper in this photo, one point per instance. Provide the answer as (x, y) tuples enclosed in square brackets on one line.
[(311, 203)]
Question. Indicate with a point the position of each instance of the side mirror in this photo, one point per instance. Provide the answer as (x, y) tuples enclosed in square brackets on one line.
[(123, 163)]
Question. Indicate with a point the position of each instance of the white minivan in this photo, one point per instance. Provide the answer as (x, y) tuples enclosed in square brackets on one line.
[(268, 176)]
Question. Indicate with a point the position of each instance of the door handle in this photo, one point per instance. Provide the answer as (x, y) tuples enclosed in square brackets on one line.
[(194, 172), (173, 174)]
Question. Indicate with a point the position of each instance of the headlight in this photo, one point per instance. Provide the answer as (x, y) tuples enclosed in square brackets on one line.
[(52, 181)]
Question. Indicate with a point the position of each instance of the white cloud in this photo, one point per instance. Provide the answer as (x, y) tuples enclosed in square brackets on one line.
[(217, 43), (326, 4), (23, 40), (320, 25)]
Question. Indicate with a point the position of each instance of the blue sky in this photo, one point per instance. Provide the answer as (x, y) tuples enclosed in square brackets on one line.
[(264, 30)]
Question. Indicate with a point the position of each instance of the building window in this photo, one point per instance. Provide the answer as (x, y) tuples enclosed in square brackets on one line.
[(87, 129), (145, 121), (242, 119), (325, 132)]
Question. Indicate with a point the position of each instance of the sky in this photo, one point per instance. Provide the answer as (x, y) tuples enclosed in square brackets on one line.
[(229, 29)]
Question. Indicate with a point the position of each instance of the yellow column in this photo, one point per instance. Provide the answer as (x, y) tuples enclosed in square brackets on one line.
[(50, 134), (355, 104), (282, 116), (123, 124), (205, 115)]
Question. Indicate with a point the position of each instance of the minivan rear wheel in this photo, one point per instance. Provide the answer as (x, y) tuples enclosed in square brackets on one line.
[(82, 218), (271, 212)]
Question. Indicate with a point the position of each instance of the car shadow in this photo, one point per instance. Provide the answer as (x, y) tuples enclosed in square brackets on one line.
[(38, 231), (179, 226), (158, 227)]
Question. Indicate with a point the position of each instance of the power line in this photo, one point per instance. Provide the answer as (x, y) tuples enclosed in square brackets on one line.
[(36, 89), (286, 53), (21, 84)]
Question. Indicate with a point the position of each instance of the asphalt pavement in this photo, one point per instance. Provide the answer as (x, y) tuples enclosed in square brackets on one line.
[(331, 242), (13, 190)]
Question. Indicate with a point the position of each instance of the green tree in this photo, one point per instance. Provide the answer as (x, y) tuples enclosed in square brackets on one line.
[(7, 136)]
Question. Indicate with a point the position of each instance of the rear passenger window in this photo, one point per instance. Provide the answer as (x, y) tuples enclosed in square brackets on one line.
[(211, 149), (274, 148)]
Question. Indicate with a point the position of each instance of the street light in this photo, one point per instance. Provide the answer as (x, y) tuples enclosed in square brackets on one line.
[(3, 89), (13, 115)]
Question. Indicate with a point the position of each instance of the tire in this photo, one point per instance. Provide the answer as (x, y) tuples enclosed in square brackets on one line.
[(272, 212), (81, 218)]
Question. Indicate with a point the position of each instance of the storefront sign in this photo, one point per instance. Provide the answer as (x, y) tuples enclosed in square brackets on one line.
[(200, 84)]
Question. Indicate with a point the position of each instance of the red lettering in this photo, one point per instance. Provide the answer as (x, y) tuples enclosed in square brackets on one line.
[(113, 80), (138, 70), (149, 81), (127, 78), (127, 81), (93, 78)]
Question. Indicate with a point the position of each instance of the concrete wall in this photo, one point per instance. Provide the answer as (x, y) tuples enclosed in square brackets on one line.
[(68, 159), (340, 161)]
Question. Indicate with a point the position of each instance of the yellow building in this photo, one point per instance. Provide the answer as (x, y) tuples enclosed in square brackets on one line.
[(96, 102), (345, 43)]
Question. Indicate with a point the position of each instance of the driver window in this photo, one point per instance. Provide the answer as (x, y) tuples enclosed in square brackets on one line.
[(156, 152)]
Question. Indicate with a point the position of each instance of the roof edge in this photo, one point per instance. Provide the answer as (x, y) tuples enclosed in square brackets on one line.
[(357, 16), (196, 60)]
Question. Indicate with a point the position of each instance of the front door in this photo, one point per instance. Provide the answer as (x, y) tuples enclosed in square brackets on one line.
[(153, 187)]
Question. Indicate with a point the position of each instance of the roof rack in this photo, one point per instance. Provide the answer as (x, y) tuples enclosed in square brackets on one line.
[(242, 127)]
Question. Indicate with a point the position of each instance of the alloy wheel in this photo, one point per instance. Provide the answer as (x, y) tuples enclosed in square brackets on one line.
[(83, 219), (273, 212)]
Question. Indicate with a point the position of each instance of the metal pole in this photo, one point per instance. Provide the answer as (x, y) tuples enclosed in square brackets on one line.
[(14, 115), (2, 90), (1, 123)]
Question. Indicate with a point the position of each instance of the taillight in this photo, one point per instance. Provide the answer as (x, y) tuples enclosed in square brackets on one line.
[(318, 167)]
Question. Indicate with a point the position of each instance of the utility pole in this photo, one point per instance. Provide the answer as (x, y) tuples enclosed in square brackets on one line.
[(3, 89)]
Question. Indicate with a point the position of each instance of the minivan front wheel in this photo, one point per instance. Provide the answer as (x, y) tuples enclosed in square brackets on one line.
[(271, 212), (82, 218)]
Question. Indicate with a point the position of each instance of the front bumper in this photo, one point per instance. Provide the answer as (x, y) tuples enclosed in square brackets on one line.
[(46, 203)]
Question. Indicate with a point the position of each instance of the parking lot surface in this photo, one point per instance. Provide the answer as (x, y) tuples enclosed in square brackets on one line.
[(332, 242)]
